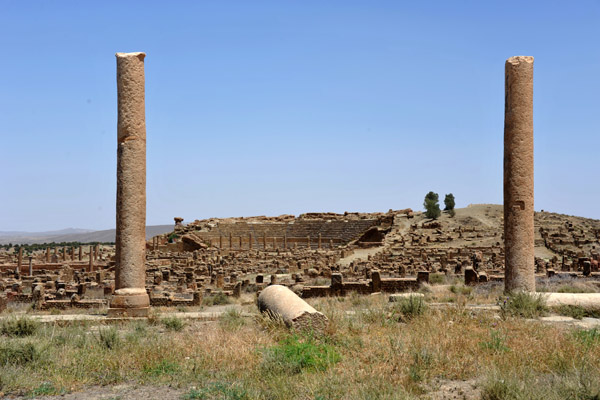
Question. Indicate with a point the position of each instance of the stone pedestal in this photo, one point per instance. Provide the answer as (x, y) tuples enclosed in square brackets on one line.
[(130, 298), (518, 175)]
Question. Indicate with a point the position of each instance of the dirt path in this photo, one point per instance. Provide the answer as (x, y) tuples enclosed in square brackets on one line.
[(126, 391), (359, 254)]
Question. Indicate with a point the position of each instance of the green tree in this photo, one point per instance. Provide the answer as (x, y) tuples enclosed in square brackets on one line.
[(449, 202), (432, 205)]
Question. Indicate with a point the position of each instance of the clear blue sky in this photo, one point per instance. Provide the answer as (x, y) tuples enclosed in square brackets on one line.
[(271, 107)]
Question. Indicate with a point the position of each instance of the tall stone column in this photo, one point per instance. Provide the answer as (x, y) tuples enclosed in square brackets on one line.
[(130, 298), (518, 175), (91, 260)]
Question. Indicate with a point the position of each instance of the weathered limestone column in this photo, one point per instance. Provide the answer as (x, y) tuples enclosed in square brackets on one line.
[(20, 259), (518, 175), (30, 266), (130, 298), (91, 260), (80, 253), (47, 255), (280, 302), (72, 253)]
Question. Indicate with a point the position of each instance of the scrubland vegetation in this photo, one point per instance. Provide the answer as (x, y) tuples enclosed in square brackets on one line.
[(371, 349)]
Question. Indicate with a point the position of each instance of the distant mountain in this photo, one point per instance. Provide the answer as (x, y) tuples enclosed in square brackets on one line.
[(67, 231), (74, 235)]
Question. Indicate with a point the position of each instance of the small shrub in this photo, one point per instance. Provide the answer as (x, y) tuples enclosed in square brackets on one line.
[(587, 337), (181, 308), (173, 323), (523, 304), (217, 390), (108, 338), (500, 389), (231, 320), (162, 367), (437, 279), (574, 289), (497, 342), (218, 299), (409, 308), (45, 389), (293, 355), (569, 310), (375, 315), (20, 326), (461, 289), (15, 353), (422, 361)]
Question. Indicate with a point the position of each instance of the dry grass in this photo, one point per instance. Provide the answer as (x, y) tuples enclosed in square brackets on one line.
[(367, 352)]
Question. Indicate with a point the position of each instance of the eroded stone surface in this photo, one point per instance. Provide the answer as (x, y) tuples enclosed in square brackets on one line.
[(518, 174)]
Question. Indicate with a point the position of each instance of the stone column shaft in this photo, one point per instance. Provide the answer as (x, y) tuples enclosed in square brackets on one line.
[(518, 175), (130, 297), (91, 260)]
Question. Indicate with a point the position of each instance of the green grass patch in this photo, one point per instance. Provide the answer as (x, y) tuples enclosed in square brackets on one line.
[(576, 384), (576, 312), (19, 326), (461, 289), (19, 353), (496, 342), (218, 390), (108, 338), (574, 289), (523, 304), (588, 337), (162, 367), (46, 389), (409, 308), (218, 299), (231, 320), (295, 354), (422, 361), (173, 323), (437, 279)]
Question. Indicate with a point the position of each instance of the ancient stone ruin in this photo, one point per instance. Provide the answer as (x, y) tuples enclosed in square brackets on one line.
[(518, 174), (313, 254)]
